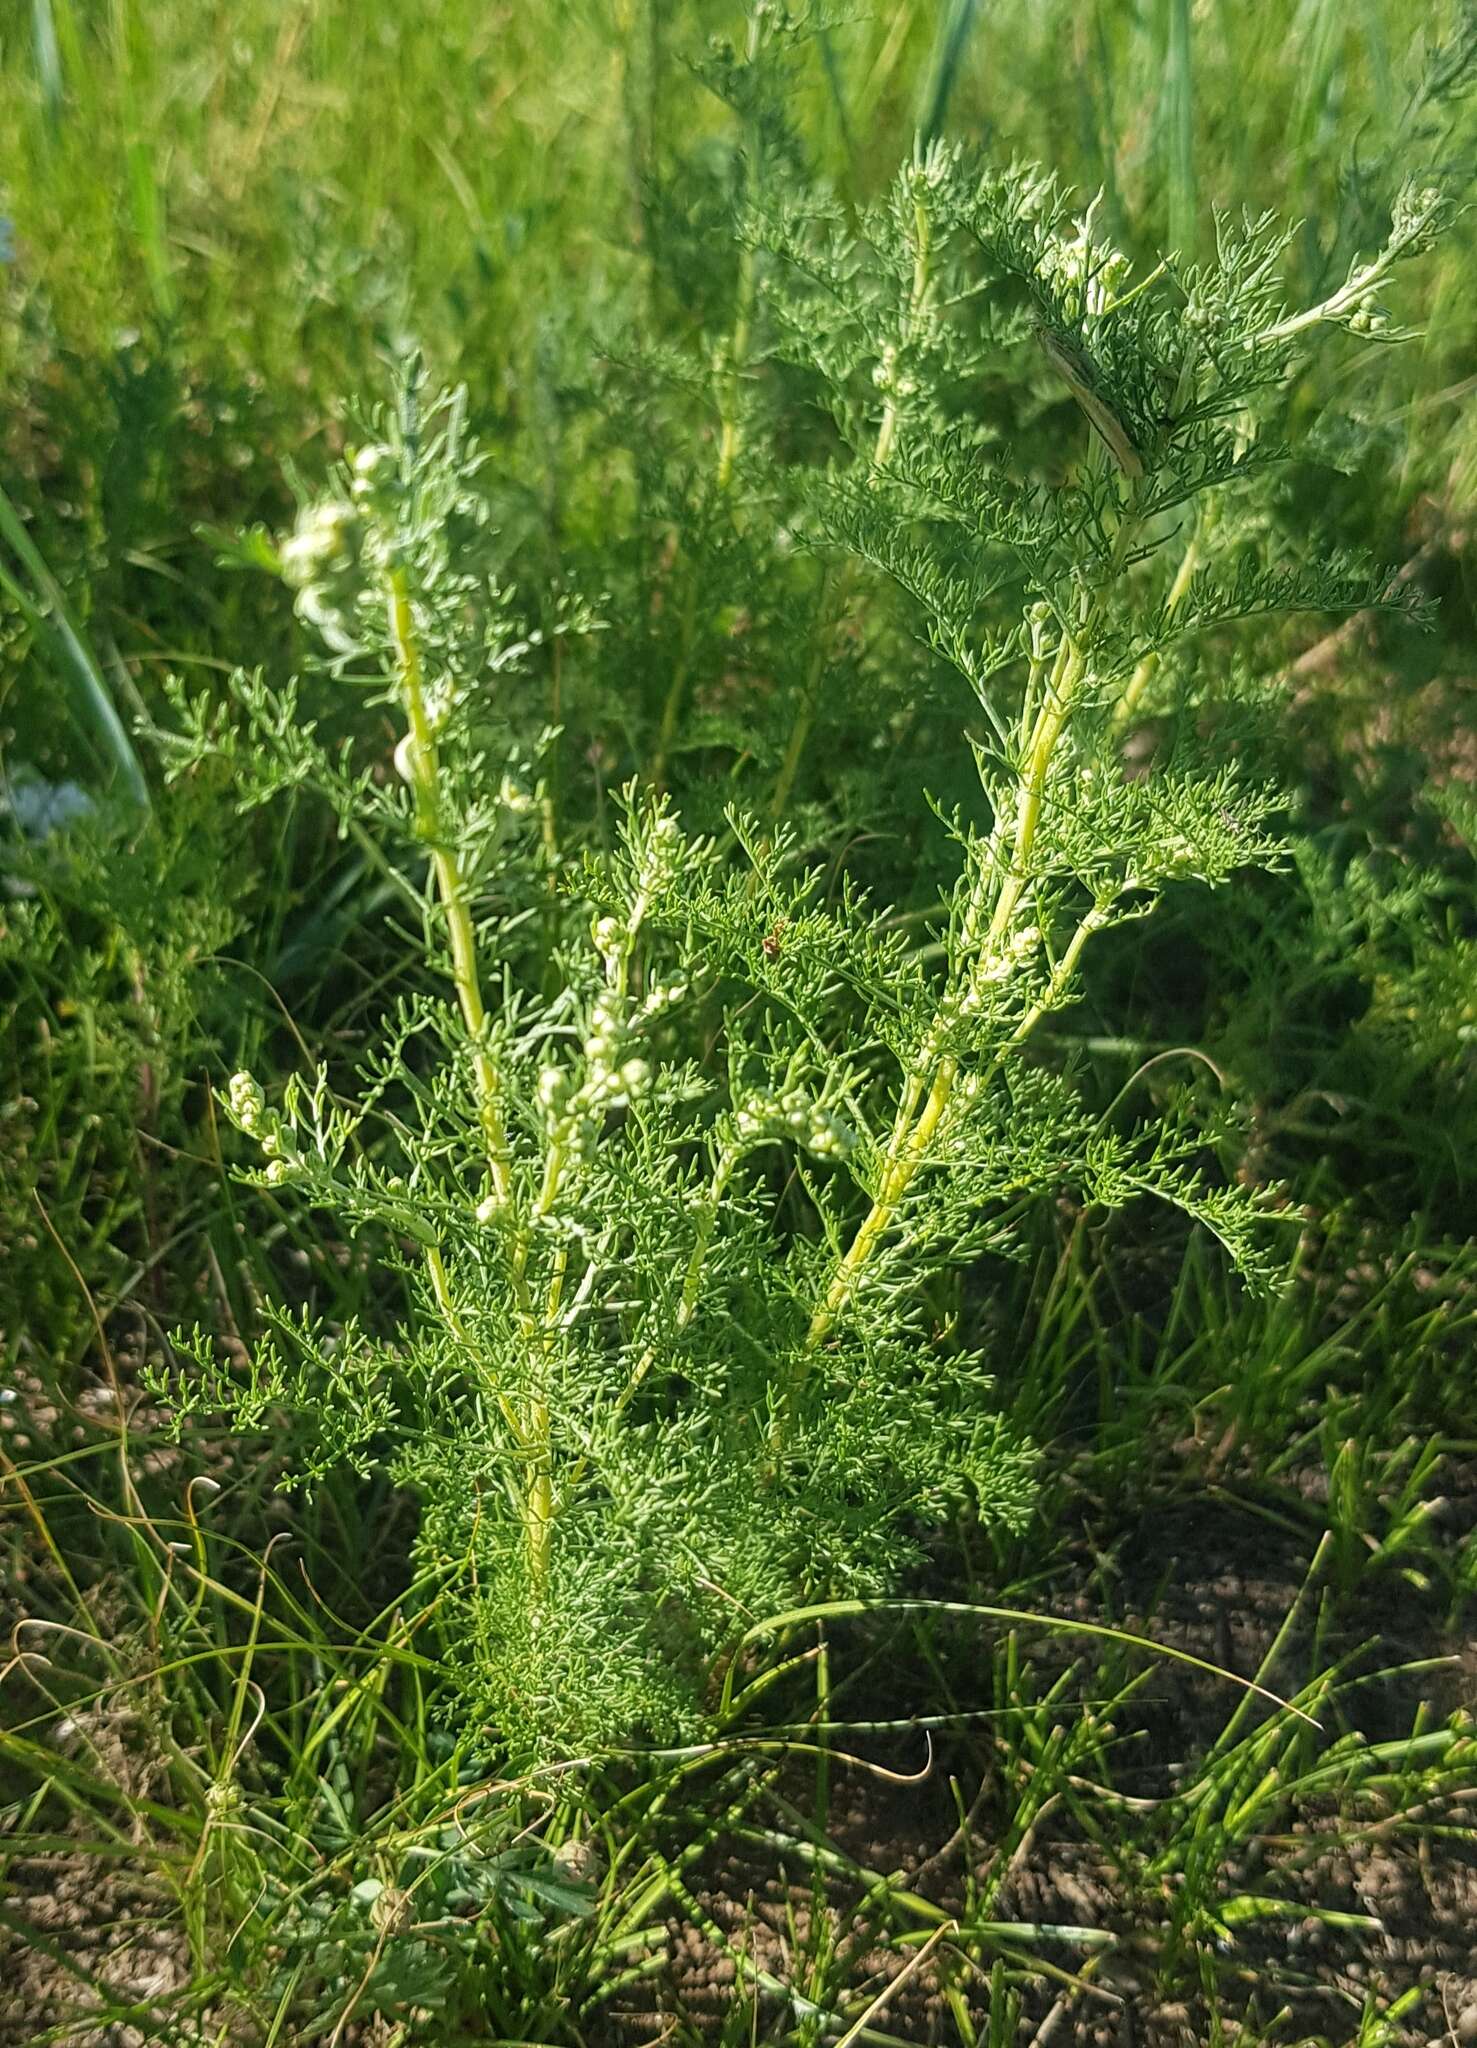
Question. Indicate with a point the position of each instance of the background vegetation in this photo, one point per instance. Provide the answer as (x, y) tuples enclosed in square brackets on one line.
[(227, 1719)]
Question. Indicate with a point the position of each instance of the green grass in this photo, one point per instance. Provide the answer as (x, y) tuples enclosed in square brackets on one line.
[(224, 1710)]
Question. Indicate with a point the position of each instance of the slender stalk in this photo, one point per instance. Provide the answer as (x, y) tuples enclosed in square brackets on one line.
[(933, 1082), (451, 888), (730, 435), (692, 1280), (532, 1434), (730, 439), (731, 432), (1092, 921), (805, 716), (1144, 674), (48, 615), (677, 689), (1338, 305), (917, 300)]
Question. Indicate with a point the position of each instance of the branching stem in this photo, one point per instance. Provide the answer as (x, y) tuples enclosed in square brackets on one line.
[(916, 1126)]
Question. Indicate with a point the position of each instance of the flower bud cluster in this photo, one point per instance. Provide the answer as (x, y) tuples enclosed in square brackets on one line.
[(1415, 218), (1086, 265), (1040, 620), (614, 1077), (997, 967), (376, 481), (661, 860), (795, 1116), (1369, 317), (931, 171), (611, 941), (337, 542), (324, 562), (892, 377), (248, 1110)]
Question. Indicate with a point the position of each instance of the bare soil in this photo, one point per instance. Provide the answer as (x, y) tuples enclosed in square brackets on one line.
[(1220, 1585)]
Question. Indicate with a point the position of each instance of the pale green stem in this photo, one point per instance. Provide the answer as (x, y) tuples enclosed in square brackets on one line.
[(730, 435), (912, 1137), (692, 1281), (1061, 974), (450, 887), (1144, 674), (532, 1435), (1345, 300), (677, 692), (804, 717), (917, 298), (914, 1132), (691, 1287)]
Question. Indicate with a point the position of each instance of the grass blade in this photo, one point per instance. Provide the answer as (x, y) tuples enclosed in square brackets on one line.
[(48, 57), (46, 610), (1179, 132), (955, 41)]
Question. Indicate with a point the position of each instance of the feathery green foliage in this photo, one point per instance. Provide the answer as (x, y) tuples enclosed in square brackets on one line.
[(847, 942), (671, 1193)]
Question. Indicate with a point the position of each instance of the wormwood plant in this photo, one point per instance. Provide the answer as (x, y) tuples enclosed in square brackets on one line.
[(674, 1167)]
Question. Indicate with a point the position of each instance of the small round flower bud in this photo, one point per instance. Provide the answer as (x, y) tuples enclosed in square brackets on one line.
[(376, 477), (321, 542), (579, 1862), (222, 1800), (831, 1137), (246, 1103)]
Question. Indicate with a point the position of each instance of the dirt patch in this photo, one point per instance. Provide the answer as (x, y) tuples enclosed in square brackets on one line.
[(1134, 1898), (101, 1938)]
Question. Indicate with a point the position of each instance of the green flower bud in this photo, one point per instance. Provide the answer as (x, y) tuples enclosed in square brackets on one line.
[(376, 480)]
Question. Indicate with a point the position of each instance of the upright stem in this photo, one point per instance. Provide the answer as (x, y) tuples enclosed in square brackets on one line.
[(730, 433), (805, 715), (677, 689), (917, 298), (913, 1135), (533, 1433), (730, 436), (450, 887), (928, 1089), (1144, 674)]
